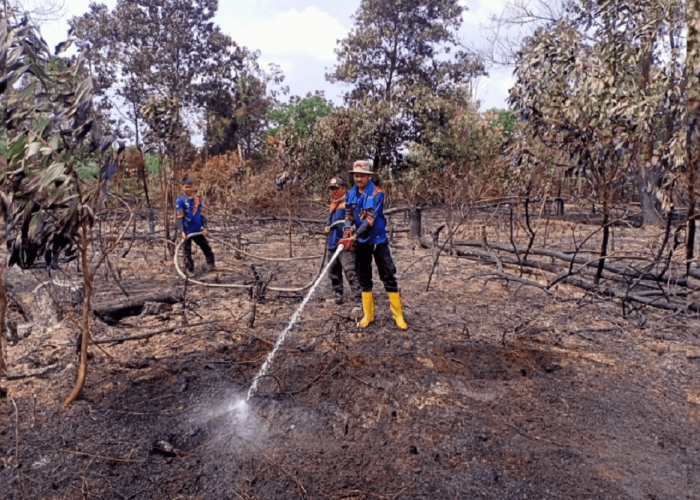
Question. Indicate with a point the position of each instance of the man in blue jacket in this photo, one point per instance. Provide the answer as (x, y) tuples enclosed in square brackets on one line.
[(346, 260), (365, 212), (191, 219)]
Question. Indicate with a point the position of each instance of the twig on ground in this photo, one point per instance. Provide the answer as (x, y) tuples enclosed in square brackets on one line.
[(146, 335), (31, 373), (288, 474), (101, 457), (436, 253)]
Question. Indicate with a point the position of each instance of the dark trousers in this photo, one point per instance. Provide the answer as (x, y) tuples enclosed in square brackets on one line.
[(202, 242), (385, 266), (345, 263)]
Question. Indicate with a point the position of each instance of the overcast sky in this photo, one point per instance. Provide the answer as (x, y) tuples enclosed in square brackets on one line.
[(300, 35)]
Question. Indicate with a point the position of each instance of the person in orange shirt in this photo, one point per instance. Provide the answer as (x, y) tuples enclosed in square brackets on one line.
[(345, 263)]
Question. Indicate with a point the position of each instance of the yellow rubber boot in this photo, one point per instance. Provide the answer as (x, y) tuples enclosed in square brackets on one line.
[(368, 308), (395, 302)]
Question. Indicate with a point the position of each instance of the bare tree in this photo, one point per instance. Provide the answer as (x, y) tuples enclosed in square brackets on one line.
[(504, 34), (40, 11)]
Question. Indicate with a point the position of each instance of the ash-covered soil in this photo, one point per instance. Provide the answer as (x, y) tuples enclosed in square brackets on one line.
[(497, 390)]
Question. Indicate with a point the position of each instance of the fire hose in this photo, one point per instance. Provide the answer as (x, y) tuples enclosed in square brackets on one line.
[(233, 285)]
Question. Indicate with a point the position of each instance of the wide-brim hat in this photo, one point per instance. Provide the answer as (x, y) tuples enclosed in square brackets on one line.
[(337, 181), (362, 167)]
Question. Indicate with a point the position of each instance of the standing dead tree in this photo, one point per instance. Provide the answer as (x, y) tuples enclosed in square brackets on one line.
[(169, 137), (257, 291), (693, 127)]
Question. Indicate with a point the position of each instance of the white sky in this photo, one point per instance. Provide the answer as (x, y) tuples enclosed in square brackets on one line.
[(300, 35)]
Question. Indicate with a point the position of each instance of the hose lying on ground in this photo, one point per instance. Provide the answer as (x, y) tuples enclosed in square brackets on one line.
[(233, 285)]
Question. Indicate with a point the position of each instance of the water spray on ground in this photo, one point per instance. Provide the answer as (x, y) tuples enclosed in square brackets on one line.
[(241, 406)]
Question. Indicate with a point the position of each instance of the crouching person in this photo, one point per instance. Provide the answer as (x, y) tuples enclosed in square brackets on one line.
[(191, 219), (365, 212), (345, 263)]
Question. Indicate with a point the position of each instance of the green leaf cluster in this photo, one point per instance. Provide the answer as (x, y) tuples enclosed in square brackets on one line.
[(48, 119)]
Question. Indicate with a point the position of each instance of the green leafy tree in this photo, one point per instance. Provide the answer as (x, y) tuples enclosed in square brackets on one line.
[(335, 141), (586, 93), (143, 48), (299, 113), (460, 157), (48, 119), (504, 118), (255, 95), (396, 48)]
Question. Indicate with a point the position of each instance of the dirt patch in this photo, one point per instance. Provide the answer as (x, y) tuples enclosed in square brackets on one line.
[(496, 390)]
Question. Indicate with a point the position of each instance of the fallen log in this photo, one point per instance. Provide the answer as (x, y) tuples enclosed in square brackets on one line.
[(580, 283), (426, 242), (114, 312), (148, 335)]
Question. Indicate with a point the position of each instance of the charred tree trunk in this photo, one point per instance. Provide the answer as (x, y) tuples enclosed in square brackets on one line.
[(649, 173), (415, 223), (559, 200), (206, 136), (606, 237), (143, 173), (693, 150), (291, 217), (651, 208), (85, 334), (112, 313), (3, 312)]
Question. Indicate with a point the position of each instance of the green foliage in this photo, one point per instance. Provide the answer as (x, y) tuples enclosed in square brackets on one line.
[(584, 93), (396, 50), (85, 170), (152, 163), (300, 113), (504, 118), (460, 153), (3, 140), (255, 96), (143, 48), (48, 121)]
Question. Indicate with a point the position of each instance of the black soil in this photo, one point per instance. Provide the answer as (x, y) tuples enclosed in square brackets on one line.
[(497, 390)]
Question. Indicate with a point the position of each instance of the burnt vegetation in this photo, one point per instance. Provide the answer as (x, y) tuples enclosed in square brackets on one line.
[(547, 256)]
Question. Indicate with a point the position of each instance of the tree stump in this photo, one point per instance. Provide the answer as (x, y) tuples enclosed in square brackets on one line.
[(415, 228)]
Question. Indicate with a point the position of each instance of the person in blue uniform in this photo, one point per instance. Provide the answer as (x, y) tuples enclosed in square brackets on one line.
[(345, 263), (365, 232), (192, 219)]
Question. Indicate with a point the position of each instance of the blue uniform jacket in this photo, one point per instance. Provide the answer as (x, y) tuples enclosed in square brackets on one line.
[(369, 205), (337, 212), (190, 214)]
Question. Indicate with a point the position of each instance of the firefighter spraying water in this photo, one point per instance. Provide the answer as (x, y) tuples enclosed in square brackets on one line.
[(362, 239)]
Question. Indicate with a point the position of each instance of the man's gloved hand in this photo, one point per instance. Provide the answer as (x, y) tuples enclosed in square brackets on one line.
[(364, 229), (205, 231), (348, 240), (327, 230)]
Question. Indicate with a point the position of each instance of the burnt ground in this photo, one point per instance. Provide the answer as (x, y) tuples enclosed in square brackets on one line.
[(497, 390)]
